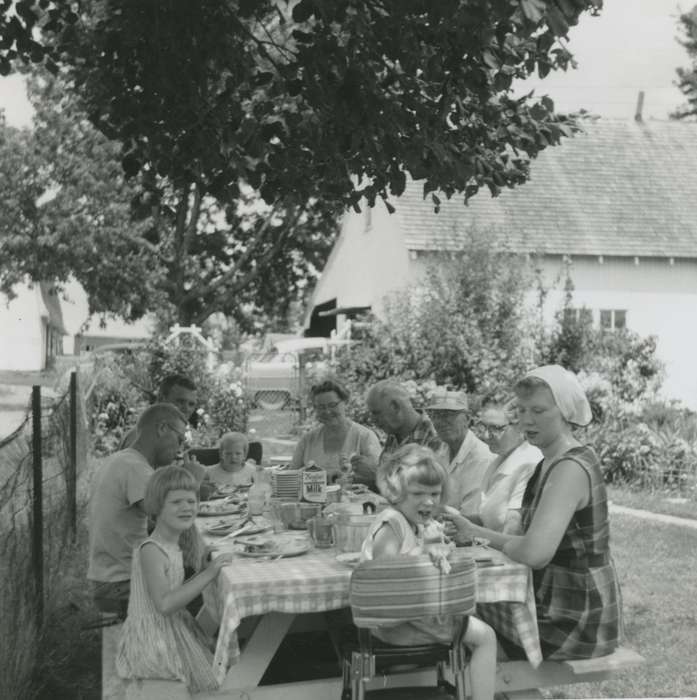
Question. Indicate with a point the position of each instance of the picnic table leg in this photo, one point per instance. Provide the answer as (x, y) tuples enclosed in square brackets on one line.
[(259, 651)]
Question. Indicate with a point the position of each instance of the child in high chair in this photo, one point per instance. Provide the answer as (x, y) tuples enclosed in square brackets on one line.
[(233, 469), (415, 484), (160, 639)]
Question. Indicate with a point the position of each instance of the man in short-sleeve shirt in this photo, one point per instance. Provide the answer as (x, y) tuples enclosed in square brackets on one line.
[(118, 522), (391, 410)]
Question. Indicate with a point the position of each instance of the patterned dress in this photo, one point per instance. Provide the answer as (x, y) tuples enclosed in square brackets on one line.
[(154, 646), (577, 593)]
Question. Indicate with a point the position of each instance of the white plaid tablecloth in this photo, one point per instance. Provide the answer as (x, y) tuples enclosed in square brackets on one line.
[(315, 582)]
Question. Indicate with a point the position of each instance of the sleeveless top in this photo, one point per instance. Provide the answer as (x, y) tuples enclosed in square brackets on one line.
[(440, 629), (577, 593), (163, 647), (359, 439)]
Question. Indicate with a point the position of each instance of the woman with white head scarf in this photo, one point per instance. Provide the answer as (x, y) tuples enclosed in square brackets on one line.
[(565, 524)]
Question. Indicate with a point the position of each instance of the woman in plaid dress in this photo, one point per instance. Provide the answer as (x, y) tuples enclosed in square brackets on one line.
[(565, 524)]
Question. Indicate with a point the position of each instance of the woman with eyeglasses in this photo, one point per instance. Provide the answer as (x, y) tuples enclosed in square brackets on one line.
[(339, 445), (507, 475), (566, 529)]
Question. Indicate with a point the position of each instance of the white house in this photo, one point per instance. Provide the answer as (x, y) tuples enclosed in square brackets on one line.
[(40, 324), (619, 201), (31, 327), (86, 333)]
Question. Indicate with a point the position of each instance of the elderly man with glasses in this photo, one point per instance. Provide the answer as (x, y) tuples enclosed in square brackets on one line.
[(469, 456), (117, 521)]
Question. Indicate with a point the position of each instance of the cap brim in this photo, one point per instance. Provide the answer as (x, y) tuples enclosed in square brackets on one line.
[(446, 407)]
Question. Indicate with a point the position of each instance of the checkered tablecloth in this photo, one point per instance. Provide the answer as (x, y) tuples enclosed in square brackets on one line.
[(315, 582)]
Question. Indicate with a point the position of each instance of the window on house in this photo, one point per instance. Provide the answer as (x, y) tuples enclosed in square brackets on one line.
[(613, 319), (582, 315)]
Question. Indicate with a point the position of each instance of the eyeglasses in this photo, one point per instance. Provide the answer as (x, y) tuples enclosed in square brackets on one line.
[(326, 406), (487, 429), (180, 435)]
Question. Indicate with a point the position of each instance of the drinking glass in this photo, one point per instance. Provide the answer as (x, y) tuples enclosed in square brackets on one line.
[(274, 515), (321, 531)]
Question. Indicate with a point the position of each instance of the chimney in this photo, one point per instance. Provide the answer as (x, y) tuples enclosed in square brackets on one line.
[(638, 116)]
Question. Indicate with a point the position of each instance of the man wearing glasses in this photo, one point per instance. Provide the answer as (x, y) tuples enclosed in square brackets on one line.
[(469, 456), (178, 390), (118, 522)]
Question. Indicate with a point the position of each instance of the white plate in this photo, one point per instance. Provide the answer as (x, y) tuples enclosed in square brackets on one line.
[(207, 509), (289, 550), (349, 558), (281, 547), (257, 525)]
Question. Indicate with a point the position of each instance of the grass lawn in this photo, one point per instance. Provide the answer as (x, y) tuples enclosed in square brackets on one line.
[(667, 504), (657, 567)]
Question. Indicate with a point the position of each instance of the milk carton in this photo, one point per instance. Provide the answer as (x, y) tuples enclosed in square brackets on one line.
[(314, 484)]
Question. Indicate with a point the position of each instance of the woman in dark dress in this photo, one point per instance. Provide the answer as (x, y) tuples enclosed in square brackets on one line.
[(565, 524)]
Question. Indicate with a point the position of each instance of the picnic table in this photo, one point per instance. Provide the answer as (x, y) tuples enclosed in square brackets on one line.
[(282, 589)]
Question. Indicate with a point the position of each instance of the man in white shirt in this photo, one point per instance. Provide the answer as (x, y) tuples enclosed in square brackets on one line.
[(469, 456)]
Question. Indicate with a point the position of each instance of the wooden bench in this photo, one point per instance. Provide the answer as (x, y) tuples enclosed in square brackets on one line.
[(515, 680), (518, 679)]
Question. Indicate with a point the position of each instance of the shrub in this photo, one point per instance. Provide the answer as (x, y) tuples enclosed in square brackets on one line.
[(466, 326), (124, 384), (226, 408), (113, 403), (651, 445), (569, 342), (629, 362)]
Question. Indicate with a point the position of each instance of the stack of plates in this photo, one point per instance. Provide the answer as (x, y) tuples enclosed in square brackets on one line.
[(286, 484)]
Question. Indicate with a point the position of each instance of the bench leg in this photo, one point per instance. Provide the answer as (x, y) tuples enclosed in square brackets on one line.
[(112, 685)]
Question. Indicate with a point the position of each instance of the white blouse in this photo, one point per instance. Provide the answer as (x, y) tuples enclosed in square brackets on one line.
[(504, 484)]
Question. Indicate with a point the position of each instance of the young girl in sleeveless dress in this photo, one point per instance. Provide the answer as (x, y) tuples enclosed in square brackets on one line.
[(160, 639), (415, 484)]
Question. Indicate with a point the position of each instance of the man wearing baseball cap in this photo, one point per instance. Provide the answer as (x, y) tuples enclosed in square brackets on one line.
[(469, 456)]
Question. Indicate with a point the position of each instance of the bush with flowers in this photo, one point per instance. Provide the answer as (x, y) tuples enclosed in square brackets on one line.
[(123, 385), (226, 409), (649, 445), (112, 404)]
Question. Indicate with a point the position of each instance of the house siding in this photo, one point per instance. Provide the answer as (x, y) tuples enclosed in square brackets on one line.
[(23, 333), (660, 299), (365, 264)]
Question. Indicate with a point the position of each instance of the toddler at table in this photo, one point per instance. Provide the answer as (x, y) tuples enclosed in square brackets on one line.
[(415, 484), (233, 469), (160, 639)]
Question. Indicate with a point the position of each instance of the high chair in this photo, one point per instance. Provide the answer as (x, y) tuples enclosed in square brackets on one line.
[(399, 589)]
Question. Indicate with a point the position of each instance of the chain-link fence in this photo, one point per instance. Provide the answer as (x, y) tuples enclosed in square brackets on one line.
[(42, 465)]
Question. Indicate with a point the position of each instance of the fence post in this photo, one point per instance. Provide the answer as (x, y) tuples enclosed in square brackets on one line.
[(302, 380), (72, 464), (37, 551)]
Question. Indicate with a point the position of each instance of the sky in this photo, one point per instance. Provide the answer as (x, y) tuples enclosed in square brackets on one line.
[(631, 47)]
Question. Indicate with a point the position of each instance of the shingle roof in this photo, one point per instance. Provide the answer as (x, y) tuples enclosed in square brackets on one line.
[(621, 188)]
